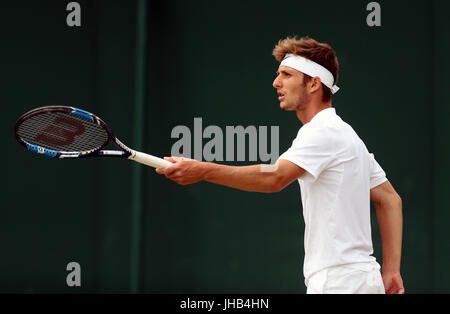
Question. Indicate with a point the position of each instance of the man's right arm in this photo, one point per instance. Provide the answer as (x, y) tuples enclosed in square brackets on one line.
[(389, 213), (256, 178)]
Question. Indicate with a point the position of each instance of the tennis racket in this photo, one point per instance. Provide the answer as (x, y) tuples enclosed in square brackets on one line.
[(68, 132)]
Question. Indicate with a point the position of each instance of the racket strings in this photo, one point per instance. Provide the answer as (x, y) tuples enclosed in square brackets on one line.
[(62, 132)]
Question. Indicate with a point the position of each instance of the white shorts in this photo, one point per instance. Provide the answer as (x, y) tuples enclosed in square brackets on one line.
[(347, 279)]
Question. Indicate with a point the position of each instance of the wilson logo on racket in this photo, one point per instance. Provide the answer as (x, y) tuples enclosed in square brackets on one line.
[(53, 130), (61, 132)]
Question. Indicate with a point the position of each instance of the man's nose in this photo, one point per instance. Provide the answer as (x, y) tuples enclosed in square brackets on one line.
[(276, 83)]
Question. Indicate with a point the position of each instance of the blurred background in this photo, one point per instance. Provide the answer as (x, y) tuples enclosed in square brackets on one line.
[(147, 66)]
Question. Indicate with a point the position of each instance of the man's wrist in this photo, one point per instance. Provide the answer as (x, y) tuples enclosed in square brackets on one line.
[(388, 269), (206, 168)]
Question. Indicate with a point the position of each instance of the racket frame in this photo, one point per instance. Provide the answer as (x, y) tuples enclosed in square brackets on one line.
[(126, 152)]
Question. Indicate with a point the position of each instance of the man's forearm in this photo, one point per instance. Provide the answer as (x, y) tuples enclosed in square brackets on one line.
[(246, 178), (390, 219)]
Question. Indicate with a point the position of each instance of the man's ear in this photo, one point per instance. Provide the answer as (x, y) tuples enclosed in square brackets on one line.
[(315, 84)]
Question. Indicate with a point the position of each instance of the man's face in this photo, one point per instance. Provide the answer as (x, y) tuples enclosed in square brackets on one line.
[(291, 89)]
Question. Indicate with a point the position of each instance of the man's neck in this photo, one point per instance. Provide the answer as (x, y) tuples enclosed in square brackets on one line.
[(307, 114)]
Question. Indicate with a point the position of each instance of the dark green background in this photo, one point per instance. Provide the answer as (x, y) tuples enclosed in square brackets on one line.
[(211, 59)]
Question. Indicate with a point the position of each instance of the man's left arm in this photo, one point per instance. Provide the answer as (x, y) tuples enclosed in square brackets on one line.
[(255, 178), (389, 213)]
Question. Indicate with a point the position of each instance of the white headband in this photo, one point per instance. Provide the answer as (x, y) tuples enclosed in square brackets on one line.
[(310, 68)]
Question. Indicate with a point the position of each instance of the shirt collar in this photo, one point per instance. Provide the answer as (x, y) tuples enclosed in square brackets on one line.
[(324, 113)]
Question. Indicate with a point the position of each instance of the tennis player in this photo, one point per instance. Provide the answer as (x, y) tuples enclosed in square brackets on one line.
[(337, 175)]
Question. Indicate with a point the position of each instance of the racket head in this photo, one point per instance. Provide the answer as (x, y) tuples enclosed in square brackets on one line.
[(62, 131)]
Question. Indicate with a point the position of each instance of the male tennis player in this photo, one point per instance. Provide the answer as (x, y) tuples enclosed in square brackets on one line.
[(337, 175)]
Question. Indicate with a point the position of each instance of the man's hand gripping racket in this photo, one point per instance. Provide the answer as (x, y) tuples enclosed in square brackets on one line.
[(68, 132)]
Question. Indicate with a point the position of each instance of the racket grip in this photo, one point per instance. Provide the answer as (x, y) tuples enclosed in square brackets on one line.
[(150, 160)]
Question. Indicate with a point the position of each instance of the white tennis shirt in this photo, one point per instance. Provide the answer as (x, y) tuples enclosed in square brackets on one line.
[(335, 192)]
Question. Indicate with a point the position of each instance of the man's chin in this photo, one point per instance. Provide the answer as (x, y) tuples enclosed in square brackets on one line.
[(285, 107)]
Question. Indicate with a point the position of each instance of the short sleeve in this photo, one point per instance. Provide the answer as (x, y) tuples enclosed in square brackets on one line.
[(377, 174), (312, 150)]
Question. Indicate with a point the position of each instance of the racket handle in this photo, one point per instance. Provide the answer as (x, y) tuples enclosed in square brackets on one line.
[(149, 160)]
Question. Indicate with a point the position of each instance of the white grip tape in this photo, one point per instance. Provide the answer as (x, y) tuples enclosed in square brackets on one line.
[(150, 160)]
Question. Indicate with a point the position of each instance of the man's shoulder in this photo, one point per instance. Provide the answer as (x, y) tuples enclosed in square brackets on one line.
[(331, 132)]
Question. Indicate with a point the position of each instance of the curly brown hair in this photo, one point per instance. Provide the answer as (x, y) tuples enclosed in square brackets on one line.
[(313, 50)]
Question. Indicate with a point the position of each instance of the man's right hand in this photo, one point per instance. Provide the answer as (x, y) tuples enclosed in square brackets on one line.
[(393, 283)]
